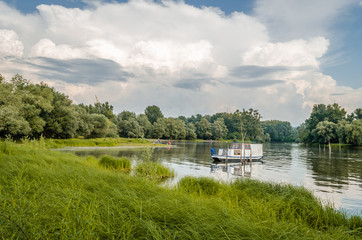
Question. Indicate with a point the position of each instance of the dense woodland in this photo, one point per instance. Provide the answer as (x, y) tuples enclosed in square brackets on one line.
[(34, 110)]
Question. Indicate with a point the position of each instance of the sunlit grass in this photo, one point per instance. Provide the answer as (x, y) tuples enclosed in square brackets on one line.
[(47, 194), (153, 170), (114, 163)]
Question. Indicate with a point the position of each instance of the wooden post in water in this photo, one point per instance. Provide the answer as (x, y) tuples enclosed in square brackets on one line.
[(244, 158), (251, 157)]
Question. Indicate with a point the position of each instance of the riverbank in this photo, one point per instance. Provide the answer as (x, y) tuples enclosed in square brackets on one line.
[(98, 142), (47, 194)]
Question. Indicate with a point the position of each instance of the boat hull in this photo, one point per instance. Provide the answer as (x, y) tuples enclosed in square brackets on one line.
[(223, 158)]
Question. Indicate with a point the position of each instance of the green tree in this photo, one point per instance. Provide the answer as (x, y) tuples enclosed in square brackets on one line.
[(203, 129), (85, 125), (320, 112), (61, 121), (159, 128), (12, 122), (191, 131), (326, 131), (145, 124), (219, 129), (355, 137), (280, 131), (36, 103), (153, 113), (249, 124), (128, 125), (175, 128), (99, 125), (101, 108)]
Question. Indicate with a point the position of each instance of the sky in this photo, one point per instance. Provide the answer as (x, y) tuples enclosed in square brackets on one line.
[(187, 57)]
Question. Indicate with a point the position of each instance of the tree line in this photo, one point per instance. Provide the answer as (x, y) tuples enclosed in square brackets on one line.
[(34, 110), (331, 124)]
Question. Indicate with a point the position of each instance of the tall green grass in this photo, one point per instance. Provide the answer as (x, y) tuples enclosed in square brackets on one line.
[(114, 163), (152, 170), (47, 194)]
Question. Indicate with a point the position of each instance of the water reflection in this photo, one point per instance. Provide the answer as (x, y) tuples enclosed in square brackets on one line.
[(336, 178)]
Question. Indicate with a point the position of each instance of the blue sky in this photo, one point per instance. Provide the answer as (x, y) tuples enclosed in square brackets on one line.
[(278, 56)]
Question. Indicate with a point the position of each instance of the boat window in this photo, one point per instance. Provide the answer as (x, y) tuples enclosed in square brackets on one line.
[(237, 152)]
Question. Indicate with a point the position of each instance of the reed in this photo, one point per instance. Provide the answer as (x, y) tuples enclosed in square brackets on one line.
[(114, 163), (153, 170)]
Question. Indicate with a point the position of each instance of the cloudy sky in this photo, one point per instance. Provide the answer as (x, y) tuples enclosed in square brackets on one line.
[(192, 56)]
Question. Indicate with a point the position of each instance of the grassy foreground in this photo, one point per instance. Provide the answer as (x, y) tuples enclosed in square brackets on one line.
[(46, 194)]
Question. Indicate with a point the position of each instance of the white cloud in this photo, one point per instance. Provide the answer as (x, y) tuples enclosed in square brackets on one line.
[(293, 53), (294, 19), (46, 48), (179, 57), (10, 44)]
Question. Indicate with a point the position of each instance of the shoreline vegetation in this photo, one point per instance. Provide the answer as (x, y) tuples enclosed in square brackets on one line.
[(46, 194), (31, 111)]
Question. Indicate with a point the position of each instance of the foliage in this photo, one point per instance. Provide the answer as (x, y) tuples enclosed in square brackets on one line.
[(280, 131), (219, 129), (153, 113), (129, 126), (203, 129), (191, 131), (330, 124), (35, 110)]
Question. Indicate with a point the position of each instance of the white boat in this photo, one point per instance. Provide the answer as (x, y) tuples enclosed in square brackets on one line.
[(238, 152)]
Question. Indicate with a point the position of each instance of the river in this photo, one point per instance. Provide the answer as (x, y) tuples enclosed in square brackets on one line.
[(335, 178)]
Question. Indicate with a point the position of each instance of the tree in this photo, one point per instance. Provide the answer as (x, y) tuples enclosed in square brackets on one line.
[(101, 108), (128, 125), (159, 128), (153, 113), (320, 112), (61, 121), (219, 129), (12, 122), (175, 128), (326, 131), (355, 115), (85, 125), (36, 103), (203, 129), (355, 136), (249, 124), (145, 124), (280, 131), (191, 131), (99, 125)]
